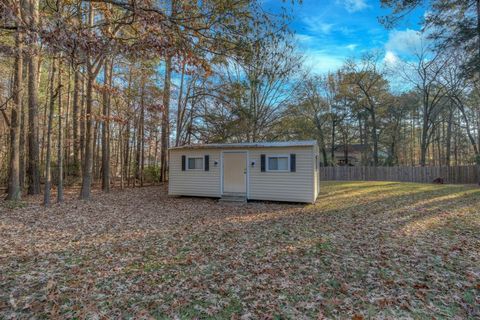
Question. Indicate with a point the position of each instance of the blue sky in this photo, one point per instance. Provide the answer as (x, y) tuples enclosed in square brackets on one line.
[(328, 32)]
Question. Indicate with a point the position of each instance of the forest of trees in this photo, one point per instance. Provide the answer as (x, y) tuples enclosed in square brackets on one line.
[(96, 91)]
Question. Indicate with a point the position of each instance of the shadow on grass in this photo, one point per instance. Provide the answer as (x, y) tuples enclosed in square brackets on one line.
[(232, 253)]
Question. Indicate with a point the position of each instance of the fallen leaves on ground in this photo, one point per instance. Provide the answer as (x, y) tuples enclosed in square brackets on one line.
[(365, 249)]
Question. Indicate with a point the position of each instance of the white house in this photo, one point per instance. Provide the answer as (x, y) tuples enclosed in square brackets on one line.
[(278, 171)]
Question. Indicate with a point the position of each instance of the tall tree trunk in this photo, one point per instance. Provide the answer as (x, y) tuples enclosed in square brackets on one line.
[(142, 146), (140, 134), (93, 67), (45, 117), (48, 175), (180, 112), (190, 128), (439, 147), (478, 129), (88, 161), (77, 107), (423, 148), (374, 139), (321, 138), (142, 156), (67, 136), (469, 132), (23, 130), (332, 145), (121, 155), (424, 139), (155, 150), (133, 156), (14, 192), (165, 120), (126, 136), (75, 124), (33, 170), (449, 138), (82, 122), (60, 136), (96, 148), (126, 151), (106, 126), (363, 140)]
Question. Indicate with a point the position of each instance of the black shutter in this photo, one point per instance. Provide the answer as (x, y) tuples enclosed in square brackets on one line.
[(293, 162), (207, 162), (262, 163), (184, 162)]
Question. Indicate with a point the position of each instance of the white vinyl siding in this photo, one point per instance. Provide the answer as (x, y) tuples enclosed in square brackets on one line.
[(282, 185), (299, 186), (316, 175), (194, 182)]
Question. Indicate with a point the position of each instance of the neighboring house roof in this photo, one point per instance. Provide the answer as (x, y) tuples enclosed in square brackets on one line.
[(277, 144), (352, 148)]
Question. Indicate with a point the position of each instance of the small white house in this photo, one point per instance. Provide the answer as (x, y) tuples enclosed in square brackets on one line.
[(277, 171)]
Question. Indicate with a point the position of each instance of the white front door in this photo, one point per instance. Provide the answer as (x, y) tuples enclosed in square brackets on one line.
[(235, 172)]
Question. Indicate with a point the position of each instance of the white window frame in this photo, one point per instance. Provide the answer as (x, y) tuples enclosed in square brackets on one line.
[(278, 156), (196, 169)]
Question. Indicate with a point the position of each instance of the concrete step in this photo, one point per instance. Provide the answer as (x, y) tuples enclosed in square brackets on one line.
[(233, 198)]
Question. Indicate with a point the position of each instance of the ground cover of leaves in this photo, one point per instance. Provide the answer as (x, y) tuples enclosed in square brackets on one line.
[(364, 250)]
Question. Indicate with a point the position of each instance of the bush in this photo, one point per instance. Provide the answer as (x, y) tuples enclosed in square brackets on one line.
[(152, 174)]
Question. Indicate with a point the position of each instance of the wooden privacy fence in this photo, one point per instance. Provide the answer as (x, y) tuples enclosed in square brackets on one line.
[(456, 174)]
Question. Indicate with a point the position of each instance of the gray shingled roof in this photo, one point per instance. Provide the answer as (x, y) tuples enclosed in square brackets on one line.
[(273, 144)]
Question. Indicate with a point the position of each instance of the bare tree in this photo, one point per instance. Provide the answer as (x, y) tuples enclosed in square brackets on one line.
[(60, 151), (108, 70), (93, 63), (14, 192), (33, 170), (369, 89), (424, 74), (48, 175), (165, 134), (315, 103), (249, 96)]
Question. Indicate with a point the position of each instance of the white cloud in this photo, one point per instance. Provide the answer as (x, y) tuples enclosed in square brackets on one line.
[(390, 59), (321, 62), (317, 26), (404, 42), (304, 38), (351, 46), (353, 5)]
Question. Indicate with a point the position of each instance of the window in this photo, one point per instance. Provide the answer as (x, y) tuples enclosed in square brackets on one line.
[(195, 163), (278, 163)]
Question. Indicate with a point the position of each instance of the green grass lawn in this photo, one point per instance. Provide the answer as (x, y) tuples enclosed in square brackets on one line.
[(364, 250)]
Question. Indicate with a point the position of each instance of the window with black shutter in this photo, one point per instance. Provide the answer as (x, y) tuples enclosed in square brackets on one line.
[(207, 162), (293, 162), (262, 163)]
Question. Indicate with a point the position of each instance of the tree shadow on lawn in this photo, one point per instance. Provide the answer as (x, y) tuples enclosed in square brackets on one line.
[(391, 206), (369, 209), (268, 259), (338, 261)]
